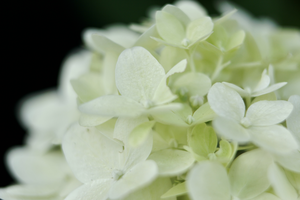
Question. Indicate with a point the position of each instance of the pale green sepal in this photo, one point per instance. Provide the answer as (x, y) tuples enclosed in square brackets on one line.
[(203, 140), (172, 162), (178, 68), (281, 184), (199, 30), (264, 81), (269, 89), (157, 110), (225, 150), (167, 24), (178, 13), (275, 138), (204, 114), (177, 190), (208, 180), (87, 120), (167, 43), (226, 102), (266, 196), (197, 157), (236, 40), (108, 71), (138, 74), (294, 118), (290, 161), (103, 44), (111, 106), (241, 91), (248, 174), (88, 86), (97, 189), (107, 129), (195, 83), (268, 97), (163, 93), (192, 9), (266, 113), (170, 118), (145, 41), (140, 133), (224, 17)]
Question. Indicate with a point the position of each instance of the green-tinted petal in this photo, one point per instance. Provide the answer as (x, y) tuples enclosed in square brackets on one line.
[(140, 133), (179, 189), (199, 29), (248, 174), (167, 24), (203, 140)]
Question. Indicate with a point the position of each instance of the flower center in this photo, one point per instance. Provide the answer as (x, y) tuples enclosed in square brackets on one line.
[(185, 42), (245, 122), (117, 174), (190, 119)]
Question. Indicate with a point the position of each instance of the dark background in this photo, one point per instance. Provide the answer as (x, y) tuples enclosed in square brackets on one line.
[(37, 35)]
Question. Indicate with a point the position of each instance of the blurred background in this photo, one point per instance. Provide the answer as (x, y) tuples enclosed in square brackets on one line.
[(38, 35)]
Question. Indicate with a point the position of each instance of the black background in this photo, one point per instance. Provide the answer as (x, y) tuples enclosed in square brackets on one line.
[(37, 35)]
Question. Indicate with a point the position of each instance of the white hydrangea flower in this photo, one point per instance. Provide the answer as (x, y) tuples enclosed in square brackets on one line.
[(247, 179), (257, 125), (104, 166), (141, 81)]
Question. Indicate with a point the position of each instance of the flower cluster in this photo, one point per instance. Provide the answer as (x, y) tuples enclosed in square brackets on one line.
[(182, 106)]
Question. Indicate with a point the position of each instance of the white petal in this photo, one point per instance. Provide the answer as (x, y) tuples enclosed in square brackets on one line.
[(266, 113), (140, 133), (248, 174), (170, 117), (161, 109), (263, 83), (204, 114), (281, 184), (137, 177), (231, 129), (90, 154), (103, 44), (274, 138), (163, 93), (208, 180), (33, 191), (109, 65), (266, 196), (178, 13), (177, 190), (167, 24), (289, 161), (130, 156), (145, 39), (92, 120), (241, 91), (138, 74), (192, 9), (111, 106), (172, 162), (293, 121), (32, 167), (178, 68), (153, 191), (226, 102), (199, 29), (195, 83), (75, 65), (97, 189), (267, 90)]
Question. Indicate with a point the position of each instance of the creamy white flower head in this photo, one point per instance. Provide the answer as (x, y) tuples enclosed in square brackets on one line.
[(107, 168), (188, 31), (47, 115), (141, 81), (258, 125), (247, 179)]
